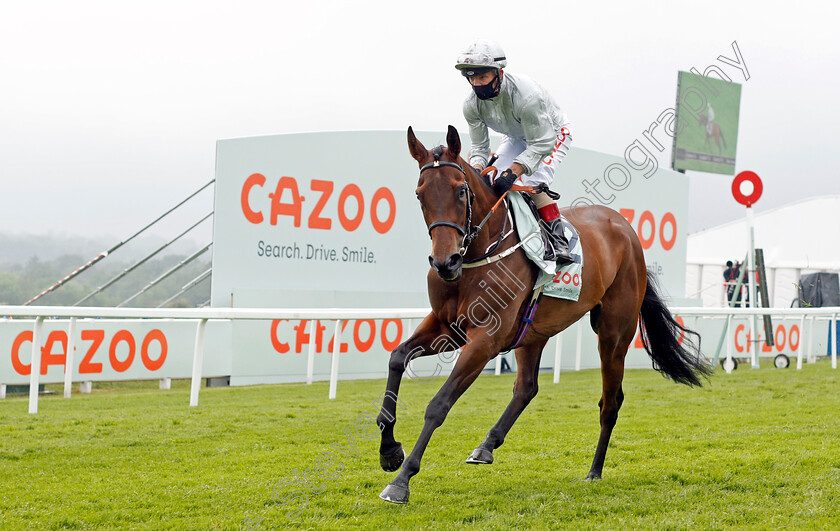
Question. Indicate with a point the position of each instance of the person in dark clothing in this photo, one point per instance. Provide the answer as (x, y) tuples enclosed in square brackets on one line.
[(729, 279), (745, 284)]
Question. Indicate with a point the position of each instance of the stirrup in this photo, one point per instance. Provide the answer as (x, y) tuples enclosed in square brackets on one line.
[(557, 254), (559, 258)]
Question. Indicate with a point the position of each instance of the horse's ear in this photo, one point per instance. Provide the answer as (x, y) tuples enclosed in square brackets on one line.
[(453, 141), (416, 148)]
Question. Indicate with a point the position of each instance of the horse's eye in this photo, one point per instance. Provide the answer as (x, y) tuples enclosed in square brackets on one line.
[(462, 191)]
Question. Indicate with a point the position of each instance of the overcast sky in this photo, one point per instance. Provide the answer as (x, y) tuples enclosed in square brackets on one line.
[(109, 111)]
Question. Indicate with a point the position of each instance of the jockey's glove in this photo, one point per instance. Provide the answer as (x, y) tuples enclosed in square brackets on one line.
[(504, 182)]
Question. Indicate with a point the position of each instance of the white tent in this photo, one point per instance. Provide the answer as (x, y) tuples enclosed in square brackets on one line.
[(798, 238)]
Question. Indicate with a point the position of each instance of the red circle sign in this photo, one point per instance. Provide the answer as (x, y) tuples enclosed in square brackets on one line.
[(747, 200)]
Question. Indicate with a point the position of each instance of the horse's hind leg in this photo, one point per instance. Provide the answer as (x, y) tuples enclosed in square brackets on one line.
[(524, 390), (616, 331)]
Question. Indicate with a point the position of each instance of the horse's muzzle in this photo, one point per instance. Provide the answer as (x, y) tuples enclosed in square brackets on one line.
[(449, 269)]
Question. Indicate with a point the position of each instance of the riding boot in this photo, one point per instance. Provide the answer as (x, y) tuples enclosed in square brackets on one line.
[(556, 244)]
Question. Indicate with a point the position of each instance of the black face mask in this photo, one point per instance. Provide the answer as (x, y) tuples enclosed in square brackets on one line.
[(490, 90)]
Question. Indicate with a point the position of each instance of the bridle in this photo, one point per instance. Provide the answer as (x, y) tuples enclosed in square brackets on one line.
[(466, 232), (469, 231)]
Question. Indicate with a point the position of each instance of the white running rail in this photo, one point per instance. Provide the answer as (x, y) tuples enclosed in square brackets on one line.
[(202, 315)]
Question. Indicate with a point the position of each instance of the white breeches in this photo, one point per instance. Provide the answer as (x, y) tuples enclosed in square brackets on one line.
[(510, 148)]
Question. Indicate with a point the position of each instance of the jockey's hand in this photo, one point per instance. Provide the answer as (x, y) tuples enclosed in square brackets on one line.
[(504, 182)]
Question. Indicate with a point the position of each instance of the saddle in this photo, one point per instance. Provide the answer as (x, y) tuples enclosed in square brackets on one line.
[(562, 282)]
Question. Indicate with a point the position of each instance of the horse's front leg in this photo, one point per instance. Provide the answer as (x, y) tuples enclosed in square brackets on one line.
[(469, 365), (429, 338)]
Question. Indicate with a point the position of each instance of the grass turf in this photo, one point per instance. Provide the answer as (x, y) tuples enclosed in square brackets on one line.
[(754, 449)]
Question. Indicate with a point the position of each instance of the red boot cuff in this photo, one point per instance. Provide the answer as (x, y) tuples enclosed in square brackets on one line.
[(550, 212)]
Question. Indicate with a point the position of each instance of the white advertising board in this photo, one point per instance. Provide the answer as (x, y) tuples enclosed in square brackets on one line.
[(111, 350), (317, 220)]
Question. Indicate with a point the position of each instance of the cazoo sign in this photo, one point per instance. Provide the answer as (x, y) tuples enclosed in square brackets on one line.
[(109, 350), (350, 204)]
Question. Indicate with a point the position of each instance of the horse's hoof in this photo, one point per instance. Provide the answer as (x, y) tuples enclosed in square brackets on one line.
[(480, 456), (395, 493), (392, 462), (592, 476)]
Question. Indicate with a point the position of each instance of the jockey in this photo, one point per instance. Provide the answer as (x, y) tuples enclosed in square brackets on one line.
[(537, 132)]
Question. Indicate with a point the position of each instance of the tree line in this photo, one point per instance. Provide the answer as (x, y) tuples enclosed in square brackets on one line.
[(19, 282)]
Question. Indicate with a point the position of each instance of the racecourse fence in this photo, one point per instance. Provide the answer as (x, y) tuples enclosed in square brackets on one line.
[(202, 315)]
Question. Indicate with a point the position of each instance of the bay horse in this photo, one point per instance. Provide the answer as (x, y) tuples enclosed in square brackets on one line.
[(715, 133), (477, 306)]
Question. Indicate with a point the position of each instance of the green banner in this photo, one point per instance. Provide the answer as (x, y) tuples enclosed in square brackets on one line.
[(707, 124)]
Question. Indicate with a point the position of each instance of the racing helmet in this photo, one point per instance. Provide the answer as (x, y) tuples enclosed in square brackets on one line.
[(479, 57)]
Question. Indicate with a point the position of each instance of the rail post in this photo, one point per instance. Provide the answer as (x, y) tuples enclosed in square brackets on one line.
[(334, 366), (833, 345), (198, 361), (68, 360), (310, 353), (35, 366), (800, 347), (728, 344)]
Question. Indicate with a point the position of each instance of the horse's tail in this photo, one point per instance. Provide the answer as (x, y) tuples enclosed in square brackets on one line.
[(679, 360)]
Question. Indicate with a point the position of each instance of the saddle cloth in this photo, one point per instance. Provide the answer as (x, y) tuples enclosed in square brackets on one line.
[(560, 282)]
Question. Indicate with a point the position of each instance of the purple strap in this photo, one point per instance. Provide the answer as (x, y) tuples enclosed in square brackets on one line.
[(527, 319)]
